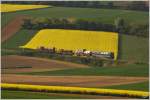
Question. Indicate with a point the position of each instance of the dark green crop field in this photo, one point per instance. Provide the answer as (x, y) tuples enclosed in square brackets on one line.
[(100, 15), (142, 86), (11, 94), (128, 70), (134, 48), (19, 39)]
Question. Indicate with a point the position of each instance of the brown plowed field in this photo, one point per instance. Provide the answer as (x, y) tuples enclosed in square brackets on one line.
[(37, 64), (12, 27), (42, 64), (81, 81)]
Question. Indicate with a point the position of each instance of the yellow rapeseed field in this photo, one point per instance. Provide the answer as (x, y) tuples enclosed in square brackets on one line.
[(80, 90), (75, 40), (17, 7)]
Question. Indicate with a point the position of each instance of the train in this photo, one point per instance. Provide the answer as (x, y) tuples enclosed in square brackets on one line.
[(98, 54), (82, 52)]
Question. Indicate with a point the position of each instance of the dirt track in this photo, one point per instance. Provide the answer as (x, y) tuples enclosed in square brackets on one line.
[(12, 27), (37, 64), (81, 81)]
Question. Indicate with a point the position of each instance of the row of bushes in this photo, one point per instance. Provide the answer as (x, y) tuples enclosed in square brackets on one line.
[(79, 90), (70, 23), (91, 61), (119, 25)]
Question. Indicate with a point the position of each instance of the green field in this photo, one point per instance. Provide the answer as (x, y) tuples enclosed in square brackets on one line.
[(142, 86), (134, 48), (128, 70), (20, 38), (11, 94), (100, 15)]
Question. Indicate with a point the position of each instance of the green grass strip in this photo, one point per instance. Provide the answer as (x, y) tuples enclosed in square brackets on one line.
[(140, 86), (128, 70)]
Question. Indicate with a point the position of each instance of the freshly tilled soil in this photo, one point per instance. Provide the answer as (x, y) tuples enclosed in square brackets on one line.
[(9, 64), (79, 81)]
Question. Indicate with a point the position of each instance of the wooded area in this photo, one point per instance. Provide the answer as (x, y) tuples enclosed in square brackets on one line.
[(119, 25)]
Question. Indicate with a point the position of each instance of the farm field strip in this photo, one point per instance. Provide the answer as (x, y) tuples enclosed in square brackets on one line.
[(18, 7), (80, 90), (88, 81), (118, 70), (12, 27), (16, 39), (142, 86), (37, 64), (25, 70), (75, 40)]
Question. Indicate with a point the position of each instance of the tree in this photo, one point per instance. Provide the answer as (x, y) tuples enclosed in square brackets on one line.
[(141, 30), (81, 24), (138, 5), (120, 25), (96, 4), (27, 24), (110, 4)]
